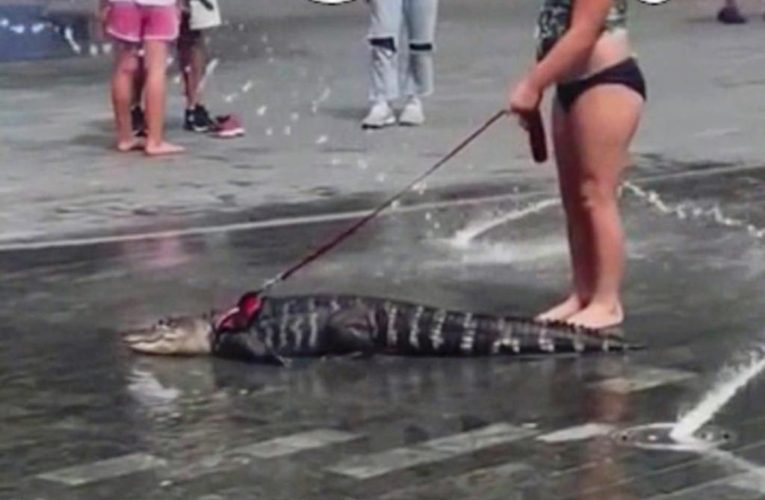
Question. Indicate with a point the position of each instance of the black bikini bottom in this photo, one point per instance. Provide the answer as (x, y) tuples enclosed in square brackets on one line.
[(625, 73)]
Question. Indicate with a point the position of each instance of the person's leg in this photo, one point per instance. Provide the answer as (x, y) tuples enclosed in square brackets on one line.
[(136, 111), (385, 26), (191, 62), (421, 19), (155, 91), (123, 24), (125, 68), (603, 121), (161, 25), (569, 174), (192, 59)]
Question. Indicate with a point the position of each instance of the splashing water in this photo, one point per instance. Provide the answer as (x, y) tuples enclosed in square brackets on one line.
[(420, 188), (209, 70), (688, 210), (729, 384), (465, 236), (69, 37)]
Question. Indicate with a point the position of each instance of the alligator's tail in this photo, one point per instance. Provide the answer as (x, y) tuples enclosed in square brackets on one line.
[(526, 336), (435, 332)]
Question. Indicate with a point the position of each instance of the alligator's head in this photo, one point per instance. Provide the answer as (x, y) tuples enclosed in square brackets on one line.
[(189, 335), (181, 336)]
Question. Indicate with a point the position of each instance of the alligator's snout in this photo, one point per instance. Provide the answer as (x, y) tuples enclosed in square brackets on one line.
[(183, 336)]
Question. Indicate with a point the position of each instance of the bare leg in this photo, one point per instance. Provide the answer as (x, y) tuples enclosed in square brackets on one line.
[(603, 121), (123, 77), (138, 84), (192, 59), (155, 90), (569, 171)]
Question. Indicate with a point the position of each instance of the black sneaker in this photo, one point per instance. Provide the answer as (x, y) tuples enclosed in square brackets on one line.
[(730, 15), (198, 119), (138, 122)]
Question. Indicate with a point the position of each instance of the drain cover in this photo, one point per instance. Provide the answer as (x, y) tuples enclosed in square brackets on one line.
[(658, 437)]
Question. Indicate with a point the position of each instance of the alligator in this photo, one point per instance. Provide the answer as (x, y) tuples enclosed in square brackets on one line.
[(276, 329)]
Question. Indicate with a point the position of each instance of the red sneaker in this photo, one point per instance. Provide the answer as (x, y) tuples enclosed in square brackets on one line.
[(227, 127)]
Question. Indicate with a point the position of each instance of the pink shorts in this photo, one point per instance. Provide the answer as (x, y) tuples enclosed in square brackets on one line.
[(133, 23)]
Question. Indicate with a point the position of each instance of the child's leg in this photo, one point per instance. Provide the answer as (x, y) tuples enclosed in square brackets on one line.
[(603, 121), (138, 83), (125, 68), (569, 172), (136, 111), (155, 91), (192, 60)]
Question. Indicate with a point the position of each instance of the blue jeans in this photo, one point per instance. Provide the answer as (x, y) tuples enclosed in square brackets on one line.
[(388, 19)]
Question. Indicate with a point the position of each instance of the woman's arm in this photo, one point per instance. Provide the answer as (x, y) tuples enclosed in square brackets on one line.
[(587, 20), (574, 47)]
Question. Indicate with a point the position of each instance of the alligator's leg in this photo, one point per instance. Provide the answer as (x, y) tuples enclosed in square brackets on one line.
[(245, 345), (351, 331)]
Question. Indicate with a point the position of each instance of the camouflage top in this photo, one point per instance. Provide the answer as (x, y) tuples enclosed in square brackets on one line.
[(555, 17)]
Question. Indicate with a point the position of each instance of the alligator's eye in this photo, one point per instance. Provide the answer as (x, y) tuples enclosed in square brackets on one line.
[(169, 322)]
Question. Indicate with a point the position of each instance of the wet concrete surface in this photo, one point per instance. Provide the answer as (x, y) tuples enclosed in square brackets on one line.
[(83, 418), (296, 74)]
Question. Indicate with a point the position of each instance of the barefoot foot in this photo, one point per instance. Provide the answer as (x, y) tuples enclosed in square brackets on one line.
[(131, 144), (562, 311), (163, 148), (598, 317)]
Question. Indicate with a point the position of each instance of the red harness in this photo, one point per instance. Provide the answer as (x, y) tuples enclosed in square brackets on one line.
[(241, 316)]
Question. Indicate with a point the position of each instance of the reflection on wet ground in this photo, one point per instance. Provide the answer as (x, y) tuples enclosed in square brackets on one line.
[(85, 419)]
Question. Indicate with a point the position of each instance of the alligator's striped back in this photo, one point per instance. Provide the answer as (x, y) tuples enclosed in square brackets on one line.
[(400, 327)]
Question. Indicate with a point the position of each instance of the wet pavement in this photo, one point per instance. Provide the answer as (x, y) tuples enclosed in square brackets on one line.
[(296, 74), (85, 419)]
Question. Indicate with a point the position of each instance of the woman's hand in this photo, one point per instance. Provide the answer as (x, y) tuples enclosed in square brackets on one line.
[(524, 97)]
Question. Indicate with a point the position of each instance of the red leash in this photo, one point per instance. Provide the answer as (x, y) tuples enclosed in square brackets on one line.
[(539, 150)]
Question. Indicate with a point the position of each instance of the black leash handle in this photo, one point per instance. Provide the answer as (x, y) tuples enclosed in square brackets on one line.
[(537, 139), (337, 239)]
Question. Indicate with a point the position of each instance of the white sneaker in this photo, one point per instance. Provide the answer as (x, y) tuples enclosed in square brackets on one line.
[(412, 114), (381, 115)]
